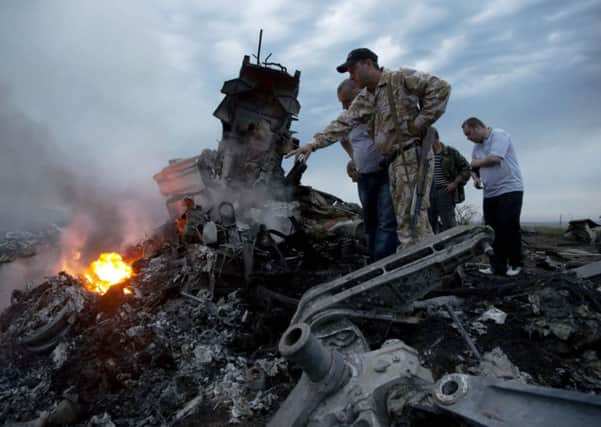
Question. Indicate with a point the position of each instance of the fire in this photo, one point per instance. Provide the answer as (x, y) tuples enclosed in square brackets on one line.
[(108, 270)]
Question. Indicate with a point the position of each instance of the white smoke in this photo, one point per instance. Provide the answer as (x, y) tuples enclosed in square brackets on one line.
[(38, 187)]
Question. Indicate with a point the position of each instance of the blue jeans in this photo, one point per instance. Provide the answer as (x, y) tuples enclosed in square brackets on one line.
[(378, 214)]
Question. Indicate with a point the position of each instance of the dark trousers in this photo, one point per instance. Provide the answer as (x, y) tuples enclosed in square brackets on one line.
[(378, 214), (442, 205), (502, 213)]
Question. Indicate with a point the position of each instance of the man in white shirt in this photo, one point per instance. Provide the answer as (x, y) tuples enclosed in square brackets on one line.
[(496, 170)]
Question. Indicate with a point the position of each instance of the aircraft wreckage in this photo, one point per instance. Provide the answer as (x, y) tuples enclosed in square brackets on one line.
[(418, 338)]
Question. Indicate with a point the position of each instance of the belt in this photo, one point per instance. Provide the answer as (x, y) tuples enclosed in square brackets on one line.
[(385, 162)]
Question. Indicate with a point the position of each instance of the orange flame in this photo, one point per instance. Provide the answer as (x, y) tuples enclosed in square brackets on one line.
[(108, 270)]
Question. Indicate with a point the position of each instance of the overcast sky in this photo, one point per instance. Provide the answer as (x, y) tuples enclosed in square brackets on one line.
[(121, 87)]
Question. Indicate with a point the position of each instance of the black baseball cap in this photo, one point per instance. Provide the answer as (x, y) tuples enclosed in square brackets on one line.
[(356, 55)]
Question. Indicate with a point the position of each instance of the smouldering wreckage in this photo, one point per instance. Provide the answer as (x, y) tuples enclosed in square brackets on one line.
[(417, 338), (345, 384)]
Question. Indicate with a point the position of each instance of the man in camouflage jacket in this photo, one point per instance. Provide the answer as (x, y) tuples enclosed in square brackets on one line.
[(419, 100)]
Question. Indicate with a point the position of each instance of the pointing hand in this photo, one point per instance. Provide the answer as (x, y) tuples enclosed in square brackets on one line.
[(305, 151)]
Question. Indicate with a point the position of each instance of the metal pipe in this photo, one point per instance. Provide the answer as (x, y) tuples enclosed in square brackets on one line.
[(259, 49), (300, 346), (463, 332)]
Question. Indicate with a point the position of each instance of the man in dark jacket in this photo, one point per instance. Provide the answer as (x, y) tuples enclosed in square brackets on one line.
[(189, 225), (451, 172)]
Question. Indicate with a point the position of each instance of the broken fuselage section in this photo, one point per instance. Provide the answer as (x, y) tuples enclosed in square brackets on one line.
[(256, 115), (245, 205)]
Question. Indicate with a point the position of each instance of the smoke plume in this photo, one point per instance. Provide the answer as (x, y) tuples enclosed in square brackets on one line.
[(42, 184)]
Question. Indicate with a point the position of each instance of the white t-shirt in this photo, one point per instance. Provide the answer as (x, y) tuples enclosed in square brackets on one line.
[(505, 176)]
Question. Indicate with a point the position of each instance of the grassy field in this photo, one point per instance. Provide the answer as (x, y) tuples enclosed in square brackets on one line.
[(550, 230)]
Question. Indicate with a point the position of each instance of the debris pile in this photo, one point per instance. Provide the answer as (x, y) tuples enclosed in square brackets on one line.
[(237, 198), (179, 351), (245, 170), (547, 323), (145, 358), (196, 336), (470, 335), (25, 244), (189, 342), (585, 230)]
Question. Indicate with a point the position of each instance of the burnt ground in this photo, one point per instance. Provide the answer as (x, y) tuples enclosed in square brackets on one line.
[(154, 357), (552, 330)]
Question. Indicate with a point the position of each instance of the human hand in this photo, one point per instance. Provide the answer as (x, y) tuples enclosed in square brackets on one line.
[(477, 182), (452, 187), (351, 171), (305, 151)]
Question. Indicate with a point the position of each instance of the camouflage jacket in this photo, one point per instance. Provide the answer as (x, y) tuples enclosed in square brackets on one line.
[(420, 99), (453, 165)]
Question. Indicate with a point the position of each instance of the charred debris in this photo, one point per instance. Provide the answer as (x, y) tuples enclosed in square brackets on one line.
[(263, 310)]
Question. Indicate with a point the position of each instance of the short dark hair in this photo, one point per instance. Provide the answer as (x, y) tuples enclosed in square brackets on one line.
[(473, 122)]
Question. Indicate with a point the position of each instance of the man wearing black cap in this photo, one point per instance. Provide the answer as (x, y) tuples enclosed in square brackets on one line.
[(398, 106)]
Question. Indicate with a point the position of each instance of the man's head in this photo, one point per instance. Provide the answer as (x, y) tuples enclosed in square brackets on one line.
[(475, 130), (347, 91), (362, 65)]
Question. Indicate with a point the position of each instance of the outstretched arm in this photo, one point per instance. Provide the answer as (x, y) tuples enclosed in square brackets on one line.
[(359, 112)]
